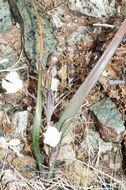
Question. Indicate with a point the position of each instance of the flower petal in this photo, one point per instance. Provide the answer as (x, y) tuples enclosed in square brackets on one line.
[(52, 136), (12, 83)]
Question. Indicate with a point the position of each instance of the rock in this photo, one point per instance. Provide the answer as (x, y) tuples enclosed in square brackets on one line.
[(26, 165), (24, 14), (80, 35), (94, 8), (5, 17), (66, 154), (106, 154), (108, 120), (66, 148), (123, 8), (8, 53), (12, 99), (112, 160), (10, 47), (80, 175), (12, 180), (20, 122), (94, 144), (69, 136), (56, 20)]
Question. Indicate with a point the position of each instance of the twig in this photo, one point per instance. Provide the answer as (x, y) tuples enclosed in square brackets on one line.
[(104, 25), (114, 82)]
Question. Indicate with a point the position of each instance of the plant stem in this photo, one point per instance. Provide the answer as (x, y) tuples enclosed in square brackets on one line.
[(37, 122)]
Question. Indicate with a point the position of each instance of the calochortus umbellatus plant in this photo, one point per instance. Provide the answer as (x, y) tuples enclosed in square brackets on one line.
[(45, 98), (53, 134)]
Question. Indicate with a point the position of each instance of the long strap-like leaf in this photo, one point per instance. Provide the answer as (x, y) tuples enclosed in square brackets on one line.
[(79, 97), (40, 99)]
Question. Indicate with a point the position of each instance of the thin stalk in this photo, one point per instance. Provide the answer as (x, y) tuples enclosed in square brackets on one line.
[(38, 112), (79, 97)]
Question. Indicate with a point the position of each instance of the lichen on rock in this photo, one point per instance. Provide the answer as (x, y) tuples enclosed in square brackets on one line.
[(94, 8), (23, 13), (108, 120)]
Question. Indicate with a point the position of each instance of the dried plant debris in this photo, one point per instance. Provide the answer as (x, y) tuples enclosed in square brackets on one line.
[(23, 13), (108, 120)]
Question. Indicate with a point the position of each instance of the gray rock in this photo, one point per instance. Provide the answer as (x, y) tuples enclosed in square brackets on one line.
[(9, 54), (81, 34), (10, 47), (103, 153), (24, 14), (94, 143), (94, 8), (5, 17), (108, 120), (20, 122)]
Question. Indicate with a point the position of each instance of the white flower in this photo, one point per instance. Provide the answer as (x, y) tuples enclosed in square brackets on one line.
[(52, 136), (12, 82)]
